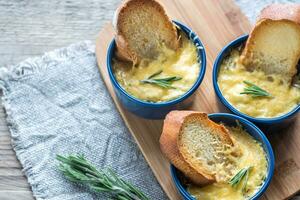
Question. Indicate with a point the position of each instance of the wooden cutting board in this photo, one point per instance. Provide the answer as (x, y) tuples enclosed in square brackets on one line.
[(216, 22)]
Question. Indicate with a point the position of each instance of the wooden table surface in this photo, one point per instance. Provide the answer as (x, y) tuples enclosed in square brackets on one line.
[(30, 28)]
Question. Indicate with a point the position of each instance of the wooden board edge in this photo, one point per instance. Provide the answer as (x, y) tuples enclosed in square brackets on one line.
[(122, 112)]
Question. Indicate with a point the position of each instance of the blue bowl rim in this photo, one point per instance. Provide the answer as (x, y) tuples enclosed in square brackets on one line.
[(216, 67), (200, 78), (269, 153)]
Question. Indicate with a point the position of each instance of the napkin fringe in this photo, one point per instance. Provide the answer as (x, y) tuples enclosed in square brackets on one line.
[(25, 69), (20, 150), (37, 64)]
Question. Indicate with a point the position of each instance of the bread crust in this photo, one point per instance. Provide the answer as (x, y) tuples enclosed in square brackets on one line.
[(281, 12), (123, 50), (170, 146), (285, 13)]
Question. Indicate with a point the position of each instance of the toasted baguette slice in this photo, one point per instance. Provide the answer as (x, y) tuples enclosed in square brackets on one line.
[(274, 44), (195, 145), (142, 26)]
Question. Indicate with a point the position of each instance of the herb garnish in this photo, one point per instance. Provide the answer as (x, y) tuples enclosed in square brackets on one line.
[(78, 169), (243, 174), (162, 82), (254, 90)]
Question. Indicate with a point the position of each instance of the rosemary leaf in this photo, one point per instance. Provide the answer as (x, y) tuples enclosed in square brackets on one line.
[(162, 82), (254, 90), (155, 74), (240, 176), (77, 169)]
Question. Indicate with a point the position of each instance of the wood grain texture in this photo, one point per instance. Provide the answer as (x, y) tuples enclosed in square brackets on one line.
[(216, 22), (30, 28)]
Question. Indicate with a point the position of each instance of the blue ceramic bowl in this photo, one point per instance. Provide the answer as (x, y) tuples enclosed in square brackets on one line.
[(231, 120), (262, 122), (152, 110)]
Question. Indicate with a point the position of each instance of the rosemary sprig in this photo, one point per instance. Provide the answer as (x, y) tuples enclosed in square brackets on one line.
[(78, 169), (243, 174), (254, 90), (155, 74), (162, 82)]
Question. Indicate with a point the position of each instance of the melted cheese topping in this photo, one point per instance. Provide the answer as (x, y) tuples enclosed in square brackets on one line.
[(230, 80), (252, 154), (182, 63)]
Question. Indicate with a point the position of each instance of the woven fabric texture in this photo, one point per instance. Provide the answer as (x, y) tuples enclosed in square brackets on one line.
[(58, 104)]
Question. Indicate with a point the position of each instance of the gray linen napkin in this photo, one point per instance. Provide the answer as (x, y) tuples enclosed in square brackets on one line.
[(58, 104)]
